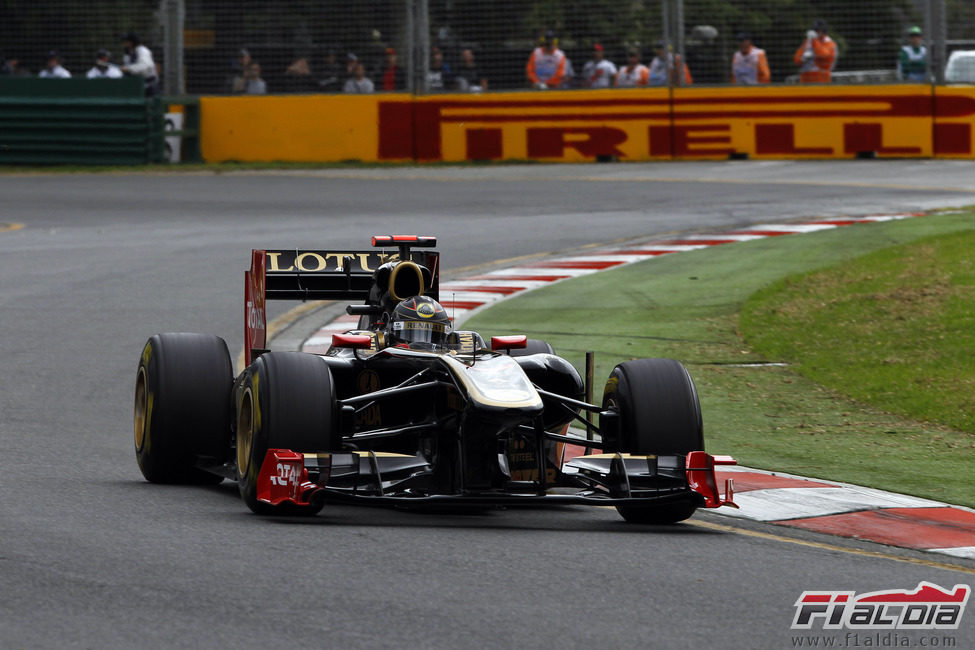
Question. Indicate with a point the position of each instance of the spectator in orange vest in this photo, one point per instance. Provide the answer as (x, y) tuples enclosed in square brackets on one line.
[(547, 64), (816, 56), (749, 65), (663, 68), (634, 73)]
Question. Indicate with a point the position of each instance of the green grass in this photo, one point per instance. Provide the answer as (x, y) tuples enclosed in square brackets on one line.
[(895, 328), (687, 306)]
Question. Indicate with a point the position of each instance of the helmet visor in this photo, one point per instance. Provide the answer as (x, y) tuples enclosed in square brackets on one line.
[(420, 332)]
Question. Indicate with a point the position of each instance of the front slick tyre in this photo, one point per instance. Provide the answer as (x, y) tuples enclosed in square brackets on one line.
[(659, 414), (182, 407), (287, 401)]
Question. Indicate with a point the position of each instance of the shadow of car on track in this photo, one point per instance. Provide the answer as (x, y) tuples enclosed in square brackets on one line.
[(569, 518)]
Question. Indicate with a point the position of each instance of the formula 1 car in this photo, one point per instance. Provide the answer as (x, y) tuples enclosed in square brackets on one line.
[(404, 410)]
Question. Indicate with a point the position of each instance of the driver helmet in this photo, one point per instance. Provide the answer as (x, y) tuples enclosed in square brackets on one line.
[(419, 322)]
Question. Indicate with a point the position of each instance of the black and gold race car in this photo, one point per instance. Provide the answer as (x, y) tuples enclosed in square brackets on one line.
[(405, 410)]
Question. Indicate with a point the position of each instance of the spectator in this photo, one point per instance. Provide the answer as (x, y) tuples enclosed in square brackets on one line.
[(469, 77), (546, 65), (104, 68), (137, 61), (299, 67), (663, 68), (53, 69), (598, 72), (334, 74), (253, 84), (912, 60), (816, 56), (238, 69), (12, 68), (391, 77), (351, 60), (298, 77), (749, 66), (438, 76), (359, 83), (634, 73)]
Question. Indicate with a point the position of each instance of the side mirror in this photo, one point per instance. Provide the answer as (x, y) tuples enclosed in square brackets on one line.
[(352, 341), (509, 342)]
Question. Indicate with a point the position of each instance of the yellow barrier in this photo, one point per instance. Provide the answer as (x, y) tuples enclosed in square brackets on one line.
[(298, 128), (803, 122), (548, 126), (644, 124)]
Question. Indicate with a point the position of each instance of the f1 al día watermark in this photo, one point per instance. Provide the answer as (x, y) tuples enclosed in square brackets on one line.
[(882, 619)]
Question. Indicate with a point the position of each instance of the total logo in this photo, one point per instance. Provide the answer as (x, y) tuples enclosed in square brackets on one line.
[(255, 317), (287, 474), (928, 607)]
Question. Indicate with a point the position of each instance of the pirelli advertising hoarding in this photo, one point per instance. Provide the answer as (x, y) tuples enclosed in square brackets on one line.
[(569, 126)]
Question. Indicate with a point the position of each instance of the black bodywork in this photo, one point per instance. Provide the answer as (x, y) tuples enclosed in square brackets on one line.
[(376, 421)]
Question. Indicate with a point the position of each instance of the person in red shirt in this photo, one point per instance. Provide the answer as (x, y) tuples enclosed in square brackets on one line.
[(816, 56), (391, 77)]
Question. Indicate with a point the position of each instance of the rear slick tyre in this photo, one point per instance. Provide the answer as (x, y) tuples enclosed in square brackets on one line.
[(660, 413), (286, 401)]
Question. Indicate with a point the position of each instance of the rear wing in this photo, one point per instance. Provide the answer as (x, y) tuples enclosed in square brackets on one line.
[(303, 274)]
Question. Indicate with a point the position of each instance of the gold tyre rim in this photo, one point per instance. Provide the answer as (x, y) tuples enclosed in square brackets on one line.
[(245, 431), (141, 408)]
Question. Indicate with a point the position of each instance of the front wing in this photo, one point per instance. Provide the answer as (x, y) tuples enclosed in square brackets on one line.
[(601, 479)]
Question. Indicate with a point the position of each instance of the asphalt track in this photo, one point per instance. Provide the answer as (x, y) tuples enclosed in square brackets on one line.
[(92, 556)]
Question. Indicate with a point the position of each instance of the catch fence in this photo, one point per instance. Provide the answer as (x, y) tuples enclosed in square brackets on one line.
[(315, 46)]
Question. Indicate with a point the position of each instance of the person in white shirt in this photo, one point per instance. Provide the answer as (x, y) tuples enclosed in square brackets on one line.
[(359, 83), (599, 72), (104, 68), (138, 62), (53, 68), (253, 84)]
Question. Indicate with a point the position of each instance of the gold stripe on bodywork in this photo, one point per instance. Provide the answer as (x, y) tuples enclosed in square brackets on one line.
[(459, 371), (379, 454)]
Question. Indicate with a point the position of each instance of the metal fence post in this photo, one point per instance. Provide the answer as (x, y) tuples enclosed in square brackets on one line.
[(418, 45), (679, 68), (409, 57), (665, 24), (422, 45), (939, 36), (173, 17)]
